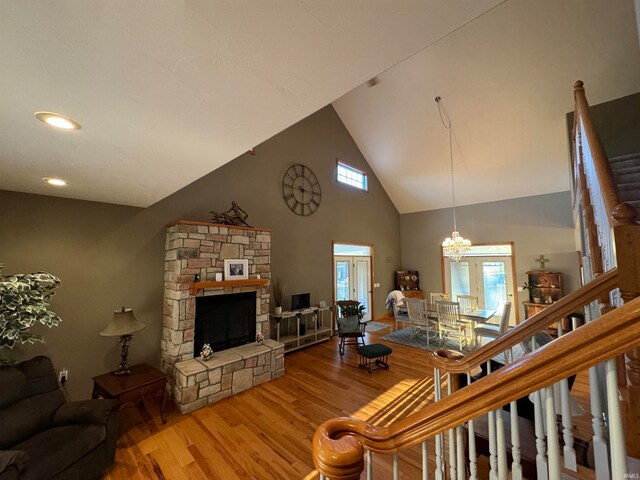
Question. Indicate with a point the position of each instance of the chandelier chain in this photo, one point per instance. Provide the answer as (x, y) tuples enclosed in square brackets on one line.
[(453, 189), (454, 247)]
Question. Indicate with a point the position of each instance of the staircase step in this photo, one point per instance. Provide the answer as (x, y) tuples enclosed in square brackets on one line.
[(628, 192), (627, 178), (625, 160), (623, 172)]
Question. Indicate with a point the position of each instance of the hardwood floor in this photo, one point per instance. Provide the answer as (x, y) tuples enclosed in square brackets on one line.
[(266, 432)]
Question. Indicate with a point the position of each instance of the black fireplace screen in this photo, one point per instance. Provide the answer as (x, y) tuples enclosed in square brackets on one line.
[(225, 321)]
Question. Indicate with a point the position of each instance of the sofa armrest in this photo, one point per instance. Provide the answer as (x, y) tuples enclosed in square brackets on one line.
[(12, 463), (85, 412)]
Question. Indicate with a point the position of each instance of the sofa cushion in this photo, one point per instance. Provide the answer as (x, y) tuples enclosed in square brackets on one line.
[(41, 376), (13, 384), (33, 398), (28, 416), (55, 449)]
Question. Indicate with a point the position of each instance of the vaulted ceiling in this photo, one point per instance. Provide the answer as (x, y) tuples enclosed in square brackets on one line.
[(168, 91)]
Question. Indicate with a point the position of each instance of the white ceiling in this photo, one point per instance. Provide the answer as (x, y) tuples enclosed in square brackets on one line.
[(506, 82), (168, 91)]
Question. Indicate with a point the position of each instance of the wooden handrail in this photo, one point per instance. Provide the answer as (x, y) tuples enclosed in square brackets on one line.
[(595, 289), (600, 160), (338, 444)]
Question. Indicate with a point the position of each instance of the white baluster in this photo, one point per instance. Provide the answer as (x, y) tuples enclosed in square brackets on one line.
[(516, 467), (437, 391), (616, 430), (425, 461), (541, 459), (452, 439), (460, 451), (473, 466), (568, 451), (503, 469), (322, 477), (395, 466), (493, 458), (369, 465), (596, 380), (553, 445)]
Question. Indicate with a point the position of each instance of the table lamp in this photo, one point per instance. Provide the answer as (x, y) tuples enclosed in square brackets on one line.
[(123, 325)]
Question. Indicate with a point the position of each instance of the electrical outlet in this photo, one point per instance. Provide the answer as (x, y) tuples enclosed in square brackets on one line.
[(63, 376)]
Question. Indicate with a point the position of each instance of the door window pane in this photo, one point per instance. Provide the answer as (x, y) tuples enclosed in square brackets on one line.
[(459, 279), (342, 280), (362, 293), (495, 284)]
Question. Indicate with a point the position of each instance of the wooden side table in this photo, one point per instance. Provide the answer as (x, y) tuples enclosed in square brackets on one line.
[(144, 381)]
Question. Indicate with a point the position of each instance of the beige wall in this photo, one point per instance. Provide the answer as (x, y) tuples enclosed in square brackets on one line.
[(109, 255), (537, 225)]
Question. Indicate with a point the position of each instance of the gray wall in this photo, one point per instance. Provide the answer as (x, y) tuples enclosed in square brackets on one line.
[(108, 255), (617, 123), (537, 225)]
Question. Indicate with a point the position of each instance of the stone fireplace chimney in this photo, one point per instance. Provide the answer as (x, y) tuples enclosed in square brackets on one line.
[(198, 250)]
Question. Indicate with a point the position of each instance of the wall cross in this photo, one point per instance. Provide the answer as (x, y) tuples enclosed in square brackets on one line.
[(542, 261)]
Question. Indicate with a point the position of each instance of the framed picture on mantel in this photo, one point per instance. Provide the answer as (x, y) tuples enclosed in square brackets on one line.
[(236, 269)]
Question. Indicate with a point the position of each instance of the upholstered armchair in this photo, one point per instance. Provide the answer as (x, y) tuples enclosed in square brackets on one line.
[(43, 436)]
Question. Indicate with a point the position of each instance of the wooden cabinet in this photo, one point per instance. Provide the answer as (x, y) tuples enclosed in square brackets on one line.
[(407, 280), (302, 327), (546, 286)]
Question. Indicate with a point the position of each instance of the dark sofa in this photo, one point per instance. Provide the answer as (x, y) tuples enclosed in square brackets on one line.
[(42, 436)]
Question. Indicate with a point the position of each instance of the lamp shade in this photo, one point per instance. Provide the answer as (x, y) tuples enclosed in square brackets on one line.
[(123, 323)]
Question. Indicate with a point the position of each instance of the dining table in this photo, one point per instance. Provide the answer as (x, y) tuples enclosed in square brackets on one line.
[(471, 316)]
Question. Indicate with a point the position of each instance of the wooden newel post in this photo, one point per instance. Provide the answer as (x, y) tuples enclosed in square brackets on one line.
[(336, 457), (627, 239)]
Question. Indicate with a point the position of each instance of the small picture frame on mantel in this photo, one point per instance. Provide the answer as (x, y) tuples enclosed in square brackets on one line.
[(236, 269)]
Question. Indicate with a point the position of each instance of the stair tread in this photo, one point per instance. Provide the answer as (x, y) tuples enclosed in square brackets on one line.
[(623, 170), (623, 158), (629, 185)]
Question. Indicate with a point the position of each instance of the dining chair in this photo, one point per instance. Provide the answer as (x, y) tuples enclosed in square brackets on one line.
[(449, 324), (436, 297), (418, 317), (492, 330), (467, 302), (400, 313)]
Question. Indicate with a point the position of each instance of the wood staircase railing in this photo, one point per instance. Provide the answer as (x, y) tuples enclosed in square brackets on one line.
[(613, 238), (338, 444)]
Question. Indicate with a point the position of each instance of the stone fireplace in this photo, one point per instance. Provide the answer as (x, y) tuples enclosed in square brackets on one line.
[(194, 253)]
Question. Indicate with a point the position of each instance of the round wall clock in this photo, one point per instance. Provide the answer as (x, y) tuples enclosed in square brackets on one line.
[(301, 190)]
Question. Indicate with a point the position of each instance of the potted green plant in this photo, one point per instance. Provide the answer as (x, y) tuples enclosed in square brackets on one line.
[(277, 289), (534, 292), (24, 301)]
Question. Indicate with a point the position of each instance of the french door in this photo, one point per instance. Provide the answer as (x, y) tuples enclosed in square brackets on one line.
[(488, 278), (353, 280)]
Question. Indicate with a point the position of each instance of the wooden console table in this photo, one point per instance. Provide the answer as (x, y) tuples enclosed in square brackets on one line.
[(144, 381)]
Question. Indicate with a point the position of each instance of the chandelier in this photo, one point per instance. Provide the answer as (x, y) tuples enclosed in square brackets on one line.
[(454, 246)]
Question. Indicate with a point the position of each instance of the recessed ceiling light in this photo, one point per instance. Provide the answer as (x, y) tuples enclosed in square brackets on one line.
[(58, 182), (58, 121)]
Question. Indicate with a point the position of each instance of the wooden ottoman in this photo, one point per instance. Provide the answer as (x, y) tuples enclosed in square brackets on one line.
[(374, 356)]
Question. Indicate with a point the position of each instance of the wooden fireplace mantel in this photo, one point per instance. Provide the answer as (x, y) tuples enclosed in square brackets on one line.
[(194, 287)]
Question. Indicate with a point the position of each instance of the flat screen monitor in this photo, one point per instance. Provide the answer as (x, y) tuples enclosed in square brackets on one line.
[(300, 301)]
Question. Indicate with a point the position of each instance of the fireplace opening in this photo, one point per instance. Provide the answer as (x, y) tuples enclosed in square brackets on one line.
[(224, 321)]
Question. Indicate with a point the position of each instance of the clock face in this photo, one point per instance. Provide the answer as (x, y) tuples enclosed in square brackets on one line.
[(301, 190)]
